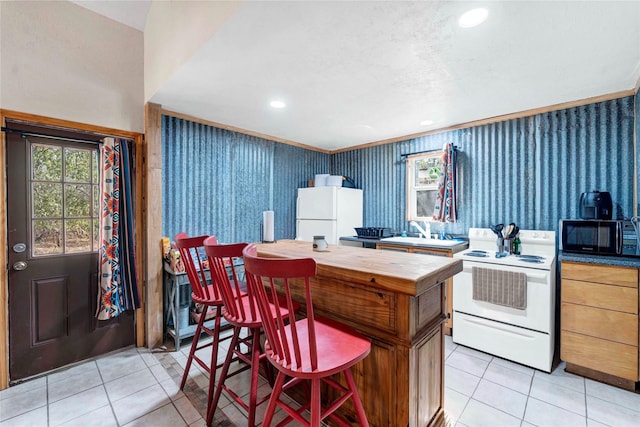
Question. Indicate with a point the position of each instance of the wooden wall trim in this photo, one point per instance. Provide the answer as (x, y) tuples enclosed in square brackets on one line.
[(139, 231), (153, 224), (243, 131), (490, 120), (50, 121), (4, 274)]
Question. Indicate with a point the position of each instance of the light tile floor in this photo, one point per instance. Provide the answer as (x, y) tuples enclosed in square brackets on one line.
[(137, 387), (483, 390)]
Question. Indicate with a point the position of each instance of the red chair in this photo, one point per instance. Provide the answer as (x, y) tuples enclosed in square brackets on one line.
[(240, 311), (309, 349), (205, 293)]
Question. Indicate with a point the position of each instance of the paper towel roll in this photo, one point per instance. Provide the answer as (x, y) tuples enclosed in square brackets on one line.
[(267, 226)]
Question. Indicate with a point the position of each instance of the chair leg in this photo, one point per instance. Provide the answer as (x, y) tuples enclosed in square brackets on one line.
[(194, 345), (255, 368), (213, 404), (315, 403), (357, 403), (214, 359), (275, 395)]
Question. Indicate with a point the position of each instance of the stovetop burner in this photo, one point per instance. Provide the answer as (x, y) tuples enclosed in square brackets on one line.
[(532, 261), (477, 253), (531, 258)]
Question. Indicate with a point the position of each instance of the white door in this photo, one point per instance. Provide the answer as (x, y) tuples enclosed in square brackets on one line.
[(306, 229), (316, 203)]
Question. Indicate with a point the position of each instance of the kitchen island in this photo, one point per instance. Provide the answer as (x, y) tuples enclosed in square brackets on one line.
[(398, 301)]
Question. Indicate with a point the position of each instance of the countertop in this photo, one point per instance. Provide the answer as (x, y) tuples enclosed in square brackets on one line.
[(396, 271), (621, 261), (454, 249)]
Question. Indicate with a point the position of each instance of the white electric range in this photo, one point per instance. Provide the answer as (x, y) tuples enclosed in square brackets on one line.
[(523, 335)]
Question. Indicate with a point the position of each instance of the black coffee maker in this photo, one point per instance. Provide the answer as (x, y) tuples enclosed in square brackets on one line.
[(595, 205)]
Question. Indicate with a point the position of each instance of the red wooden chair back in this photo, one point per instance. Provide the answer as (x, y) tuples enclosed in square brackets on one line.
[(222, 261), (196, 266), (262, 275)]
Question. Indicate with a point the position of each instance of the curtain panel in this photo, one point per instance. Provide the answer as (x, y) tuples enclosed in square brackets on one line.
[(445, 206), (118, 290)]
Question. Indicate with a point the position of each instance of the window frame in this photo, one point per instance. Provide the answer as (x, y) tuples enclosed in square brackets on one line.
[(412, 189)]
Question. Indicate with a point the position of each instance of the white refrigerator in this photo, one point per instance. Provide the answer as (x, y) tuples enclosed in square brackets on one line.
[(332, 212)]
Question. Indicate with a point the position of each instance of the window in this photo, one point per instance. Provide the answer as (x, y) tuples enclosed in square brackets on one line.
[(64, 199), (423, 174)]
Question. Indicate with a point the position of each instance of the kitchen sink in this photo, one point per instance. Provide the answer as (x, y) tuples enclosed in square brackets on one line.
[(421, 241)]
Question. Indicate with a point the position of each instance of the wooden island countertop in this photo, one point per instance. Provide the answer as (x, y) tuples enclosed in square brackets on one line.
[(398, 301), (393, 271)]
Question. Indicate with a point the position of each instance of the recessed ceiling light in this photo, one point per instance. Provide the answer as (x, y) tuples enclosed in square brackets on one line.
[(277, 104), (473, 17), (426, 122)]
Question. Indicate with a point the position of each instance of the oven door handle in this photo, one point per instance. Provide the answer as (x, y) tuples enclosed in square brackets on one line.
[(529, 275)]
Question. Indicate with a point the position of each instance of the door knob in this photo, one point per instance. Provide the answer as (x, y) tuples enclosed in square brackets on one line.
[(20, 265)]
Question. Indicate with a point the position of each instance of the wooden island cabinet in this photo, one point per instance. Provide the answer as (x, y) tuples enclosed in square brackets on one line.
[(398, 302)]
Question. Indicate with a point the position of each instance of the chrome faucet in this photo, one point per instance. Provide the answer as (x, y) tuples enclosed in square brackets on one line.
[(426, 232)]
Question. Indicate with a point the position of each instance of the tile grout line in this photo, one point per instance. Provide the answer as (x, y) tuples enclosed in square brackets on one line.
[(104, 386), (526, 404)]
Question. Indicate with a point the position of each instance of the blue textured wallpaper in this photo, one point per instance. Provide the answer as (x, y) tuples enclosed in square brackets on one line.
[(530, 171), (219, 182)]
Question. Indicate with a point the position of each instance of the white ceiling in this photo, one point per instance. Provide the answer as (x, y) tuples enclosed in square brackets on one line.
[(355, 72)]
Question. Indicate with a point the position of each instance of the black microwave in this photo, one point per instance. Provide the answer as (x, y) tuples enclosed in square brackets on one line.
[(599, 237)]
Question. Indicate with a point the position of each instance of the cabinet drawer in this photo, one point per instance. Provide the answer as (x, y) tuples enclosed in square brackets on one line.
[(618, 298), (392, 247), (596, 322), (425, 308), (621, 276), (605, 356), (436, 252)]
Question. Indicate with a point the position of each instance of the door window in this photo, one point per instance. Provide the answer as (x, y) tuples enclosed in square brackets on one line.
[(64, 183)]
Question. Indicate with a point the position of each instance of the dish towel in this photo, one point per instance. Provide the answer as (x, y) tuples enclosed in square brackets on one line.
[(506, 288)]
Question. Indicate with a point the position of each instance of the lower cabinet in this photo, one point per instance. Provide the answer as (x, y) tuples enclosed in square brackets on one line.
[(401, 380), (426, 362), (599, 322)]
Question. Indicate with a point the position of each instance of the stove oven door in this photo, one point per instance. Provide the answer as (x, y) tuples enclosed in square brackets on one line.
[(538, 313), (523, 336)]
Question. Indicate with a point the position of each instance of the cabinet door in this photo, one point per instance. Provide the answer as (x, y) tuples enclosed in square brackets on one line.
[(621, 276), (426, 375), (606, 356), (432, 251), (380, 367), (609, 297), (392, 247), (596, 322)]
